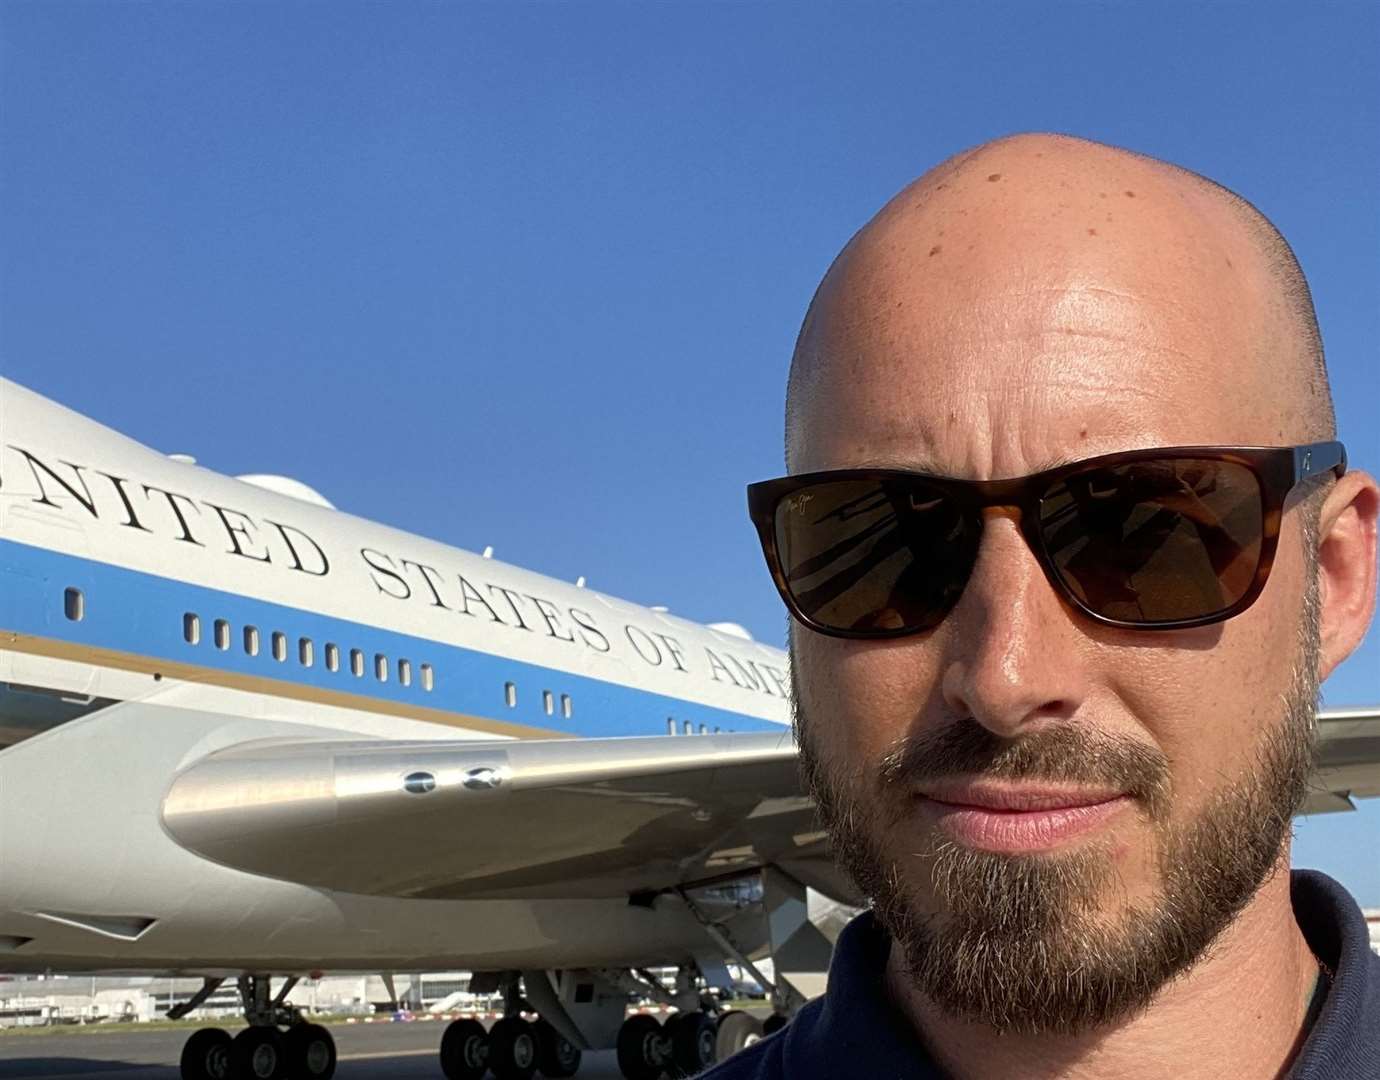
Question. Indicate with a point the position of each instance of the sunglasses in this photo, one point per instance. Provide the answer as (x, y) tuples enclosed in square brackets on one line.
[(1160, 539)]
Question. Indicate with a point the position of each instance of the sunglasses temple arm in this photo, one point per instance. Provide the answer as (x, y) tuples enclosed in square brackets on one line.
[(1316, 458)]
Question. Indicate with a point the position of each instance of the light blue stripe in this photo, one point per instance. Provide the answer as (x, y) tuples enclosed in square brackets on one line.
[(134, 612)]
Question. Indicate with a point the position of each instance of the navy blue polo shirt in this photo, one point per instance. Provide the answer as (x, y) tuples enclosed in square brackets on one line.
[(855, 1031)]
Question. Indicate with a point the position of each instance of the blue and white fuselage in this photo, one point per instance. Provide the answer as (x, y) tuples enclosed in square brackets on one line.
[(153, 611)]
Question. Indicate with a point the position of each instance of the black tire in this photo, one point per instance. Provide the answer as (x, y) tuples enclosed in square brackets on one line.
[(774, 1022), (465, 1050), (310, 1052), (737, 1029), (256, 1053), (692, 1043), (641, 1048), (557, 1056), (512, 1049), (206, 1055)]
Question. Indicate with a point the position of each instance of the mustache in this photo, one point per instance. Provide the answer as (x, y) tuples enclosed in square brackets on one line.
[(1067, 753)]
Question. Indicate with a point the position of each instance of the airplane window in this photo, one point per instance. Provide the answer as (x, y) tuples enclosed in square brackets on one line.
[(332, 656), (704, 729), (304, 651), (357, 663), (279, 646), (510, 695), (251, 640), (687, 728), (428, 677), (74, 605), (548, 702), (565, 706), (381, 667), (191, 629), (405, 672), (222, 634), (670, 725)]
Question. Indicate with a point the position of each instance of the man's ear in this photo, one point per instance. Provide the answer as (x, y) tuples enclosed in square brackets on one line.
[(1346, 566)]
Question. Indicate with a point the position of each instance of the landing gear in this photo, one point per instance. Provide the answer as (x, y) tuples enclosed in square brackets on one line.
[(465, 1050), (261, 1051), (256, 1053), (693, 1036), (512, 1049), (310, 1052), (206, 1055), (737, 1029), (644, 1051), (557, 1056)]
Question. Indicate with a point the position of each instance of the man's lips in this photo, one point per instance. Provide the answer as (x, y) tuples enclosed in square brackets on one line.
[(1016, 818)]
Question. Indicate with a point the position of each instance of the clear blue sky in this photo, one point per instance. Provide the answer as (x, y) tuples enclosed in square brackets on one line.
[(529, 275)]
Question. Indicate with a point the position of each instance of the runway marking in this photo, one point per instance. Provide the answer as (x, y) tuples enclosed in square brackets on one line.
[(386, 1054)]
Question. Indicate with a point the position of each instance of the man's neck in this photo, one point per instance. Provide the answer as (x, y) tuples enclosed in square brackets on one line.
[(1240, 1011)]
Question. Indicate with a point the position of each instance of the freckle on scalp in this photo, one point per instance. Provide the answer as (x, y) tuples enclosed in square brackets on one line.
[(936, 249), (994, 177), (1092, 232), (1130, 194)]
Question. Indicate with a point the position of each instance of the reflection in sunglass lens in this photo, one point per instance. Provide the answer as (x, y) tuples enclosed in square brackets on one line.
[(1155, 541), (867, 555)]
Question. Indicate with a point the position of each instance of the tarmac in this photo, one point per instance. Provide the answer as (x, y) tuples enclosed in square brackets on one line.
[(376, 1051)]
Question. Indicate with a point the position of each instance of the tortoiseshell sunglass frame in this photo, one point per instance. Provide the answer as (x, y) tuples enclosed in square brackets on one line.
[(1278, 470)]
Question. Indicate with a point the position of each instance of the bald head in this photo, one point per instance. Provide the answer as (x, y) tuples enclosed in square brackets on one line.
[(982, 274)]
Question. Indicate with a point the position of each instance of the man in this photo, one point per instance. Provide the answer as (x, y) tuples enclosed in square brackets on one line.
[(1057, 727)]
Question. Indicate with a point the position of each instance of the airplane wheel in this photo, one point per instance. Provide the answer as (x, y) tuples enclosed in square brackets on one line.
[(512, 1049), (557, 1056), (256, 1053), (737, 1029), (774, 1022), (310, 1052), (692, 1042), (465, 1050), (206, 1055), (642, 1050)]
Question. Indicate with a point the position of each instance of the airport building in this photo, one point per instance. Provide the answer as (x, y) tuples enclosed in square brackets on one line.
[(77, 999)]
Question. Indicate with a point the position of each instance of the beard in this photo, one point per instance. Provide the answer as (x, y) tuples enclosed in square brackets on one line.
[(1025, 943)]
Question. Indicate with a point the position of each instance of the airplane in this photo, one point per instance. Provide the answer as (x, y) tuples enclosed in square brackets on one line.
[(247, 736)]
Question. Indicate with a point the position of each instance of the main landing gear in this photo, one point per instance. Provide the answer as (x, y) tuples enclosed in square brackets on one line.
[(684, 1046), (514, 1048), (301, 1051)]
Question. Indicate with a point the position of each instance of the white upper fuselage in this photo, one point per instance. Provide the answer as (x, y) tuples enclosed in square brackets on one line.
[(127, 525)]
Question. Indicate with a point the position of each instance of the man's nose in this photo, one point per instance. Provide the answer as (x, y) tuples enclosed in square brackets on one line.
[(1015, 655)]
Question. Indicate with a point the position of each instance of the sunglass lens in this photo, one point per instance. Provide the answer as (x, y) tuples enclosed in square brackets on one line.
[(1156, 541), (874, 558)]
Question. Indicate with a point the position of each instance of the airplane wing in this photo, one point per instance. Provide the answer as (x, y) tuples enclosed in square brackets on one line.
[(559, 817), (1348, 759), (517, 818)]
